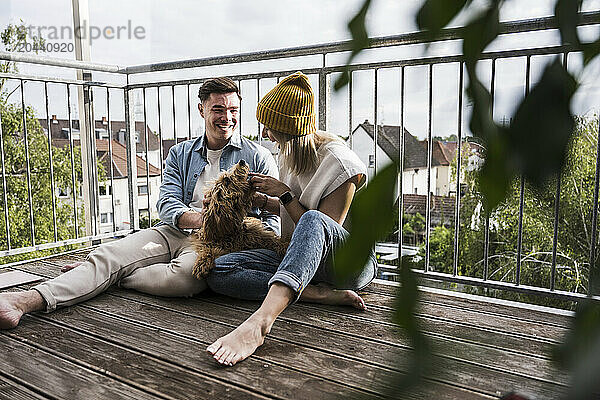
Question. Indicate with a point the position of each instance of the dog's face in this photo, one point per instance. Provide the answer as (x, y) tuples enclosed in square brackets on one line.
[(230, 199)]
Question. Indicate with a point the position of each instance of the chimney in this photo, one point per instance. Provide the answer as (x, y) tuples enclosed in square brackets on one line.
[(104, 121), (54, 120)]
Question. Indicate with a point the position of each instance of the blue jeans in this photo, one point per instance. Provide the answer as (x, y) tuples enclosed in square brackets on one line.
[(309, 259)]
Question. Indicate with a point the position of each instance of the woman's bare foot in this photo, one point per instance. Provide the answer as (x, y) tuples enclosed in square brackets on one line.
[(324, 294), (242, 342), (14, 304)]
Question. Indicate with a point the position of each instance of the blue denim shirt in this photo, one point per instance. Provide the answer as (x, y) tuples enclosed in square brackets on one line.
[(187, 160)]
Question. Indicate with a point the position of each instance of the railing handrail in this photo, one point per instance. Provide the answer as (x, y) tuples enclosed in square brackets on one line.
[(517, 26)]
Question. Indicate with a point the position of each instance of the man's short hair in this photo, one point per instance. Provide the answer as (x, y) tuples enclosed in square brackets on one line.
[(217, 85)]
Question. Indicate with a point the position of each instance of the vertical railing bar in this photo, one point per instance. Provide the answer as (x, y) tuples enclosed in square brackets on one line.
[(350, 110), (110, 155), (189, 116), (429, 162), (27, 164), (401, 171), (72, 151), (458, 170), (148, 194), (376, 122), (239, 84), (592, 273), (556, 211), (486, 244), (4, 190), (51, 161), (324, 88), (92, 157), (160, 141), (522, 187), (259, 136), (173, 112), (132, 170), (520, 229)]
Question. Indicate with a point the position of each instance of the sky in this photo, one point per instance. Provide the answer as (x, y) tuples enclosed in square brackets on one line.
[(186, 29)]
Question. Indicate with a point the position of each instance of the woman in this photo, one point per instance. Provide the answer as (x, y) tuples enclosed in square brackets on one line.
[(318, 178)]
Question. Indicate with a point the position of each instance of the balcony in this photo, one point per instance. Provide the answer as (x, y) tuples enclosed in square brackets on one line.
[(91, 161)]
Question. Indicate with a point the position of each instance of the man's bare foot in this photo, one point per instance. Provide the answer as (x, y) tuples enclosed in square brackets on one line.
[(324, 294), (241, 342), (14, 304)]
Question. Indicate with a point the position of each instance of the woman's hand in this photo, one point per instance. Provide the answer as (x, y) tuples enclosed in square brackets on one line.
[(267, 184)]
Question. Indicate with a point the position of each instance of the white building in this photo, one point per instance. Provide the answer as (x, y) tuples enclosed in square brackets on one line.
[(414, 176), (114, 197)]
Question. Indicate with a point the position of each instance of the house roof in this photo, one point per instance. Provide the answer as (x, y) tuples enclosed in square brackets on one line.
[(57, 126), (415, 151), (119, 158), (441, 206)]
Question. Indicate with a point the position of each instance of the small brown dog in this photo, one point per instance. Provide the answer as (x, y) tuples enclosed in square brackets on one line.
[(225, 227)]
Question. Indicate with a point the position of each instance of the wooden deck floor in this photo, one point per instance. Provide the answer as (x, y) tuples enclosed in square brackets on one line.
[(127, 345)]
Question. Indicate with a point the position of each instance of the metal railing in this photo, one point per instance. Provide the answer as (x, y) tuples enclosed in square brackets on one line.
[(323, 71)]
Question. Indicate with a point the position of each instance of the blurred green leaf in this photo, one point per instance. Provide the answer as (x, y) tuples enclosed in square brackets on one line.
[(478, 34), (580, 352), (495, 176), (360, 40), (434, 15), (590, 51), (566, 16), (372, 217), (543, 125)]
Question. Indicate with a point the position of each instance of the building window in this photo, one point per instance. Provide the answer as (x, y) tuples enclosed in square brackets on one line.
[(142, 190), (105, 189), (371, 160), (106, 218), (62, 192)]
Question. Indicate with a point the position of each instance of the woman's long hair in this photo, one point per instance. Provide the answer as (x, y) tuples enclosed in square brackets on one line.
[(299, 153)]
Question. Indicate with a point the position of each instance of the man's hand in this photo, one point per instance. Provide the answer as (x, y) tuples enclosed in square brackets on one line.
[(69, 267), (191, 220)]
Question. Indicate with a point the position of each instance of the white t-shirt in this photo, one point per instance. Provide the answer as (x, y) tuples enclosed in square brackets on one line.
[(206, 178), (336, 164)]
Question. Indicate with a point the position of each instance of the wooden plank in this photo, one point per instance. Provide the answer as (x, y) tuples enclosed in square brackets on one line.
[(453, 329), (484, 379), (186, 349), (497, 323), (434, 326), (479, 303), (467, 378), (148, 374), (16, 278), (58, 378), (341, 369), (14, 391), (472, 352)]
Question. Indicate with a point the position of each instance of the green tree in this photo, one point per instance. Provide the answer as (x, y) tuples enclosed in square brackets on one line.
[(36, 160)]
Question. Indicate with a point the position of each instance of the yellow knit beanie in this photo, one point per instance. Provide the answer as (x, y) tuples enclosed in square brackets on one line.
[(289, 107)]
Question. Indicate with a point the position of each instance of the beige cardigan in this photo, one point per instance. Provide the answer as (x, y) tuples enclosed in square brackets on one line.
[(336, 164)]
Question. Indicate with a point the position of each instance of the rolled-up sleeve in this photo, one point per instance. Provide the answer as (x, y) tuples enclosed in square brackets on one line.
[(170, 200)]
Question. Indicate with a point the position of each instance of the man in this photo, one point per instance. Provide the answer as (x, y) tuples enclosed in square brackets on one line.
[(159, 260)]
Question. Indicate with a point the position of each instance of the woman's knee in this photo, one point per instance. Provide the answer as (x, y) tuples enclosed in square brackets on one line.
[(312, 218)]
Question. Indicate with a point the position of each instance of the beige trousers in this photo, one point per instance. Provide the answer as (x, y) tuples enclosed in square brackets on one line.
[(156, 261)]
